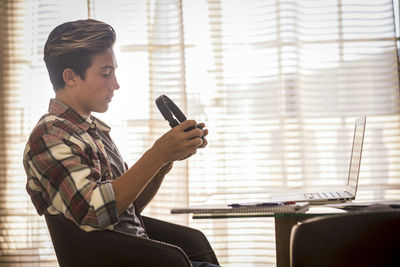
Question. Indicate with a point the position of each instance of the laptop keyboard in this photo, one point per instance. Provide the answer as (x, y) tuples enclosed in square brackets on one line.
[(327, 195)]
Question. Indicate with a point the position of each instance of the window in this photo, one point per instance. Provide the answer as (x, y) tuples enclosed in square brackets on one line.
[(278, 83)]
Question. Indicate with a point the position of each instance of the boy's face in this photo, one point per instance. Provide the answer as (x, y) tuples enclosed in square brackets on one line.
[(96, 91)]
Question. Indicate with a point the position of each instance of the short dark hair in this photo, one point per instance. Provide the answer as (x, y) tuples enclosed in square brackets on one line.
[(73, 45)]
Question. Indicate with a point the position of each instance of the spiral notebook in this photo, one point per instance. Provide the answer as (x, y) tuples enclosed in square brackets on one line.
[(244, 208)]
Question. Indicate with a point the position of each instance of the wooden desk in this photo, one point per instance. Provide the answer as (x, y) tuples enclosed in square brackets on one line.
[(283, 227)]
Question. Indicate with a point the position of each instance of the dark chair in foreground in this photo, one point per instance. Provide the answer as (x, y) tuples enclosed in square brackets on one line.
[(355, 239), (170, 245)]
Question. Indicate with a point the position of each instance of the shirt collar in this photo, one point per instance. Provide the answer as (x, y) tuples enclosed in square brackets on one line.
[(62, 110)]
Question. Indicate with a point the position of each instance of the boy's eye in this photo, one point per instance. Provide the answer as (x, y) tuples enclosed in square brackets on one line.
[(105, 75)]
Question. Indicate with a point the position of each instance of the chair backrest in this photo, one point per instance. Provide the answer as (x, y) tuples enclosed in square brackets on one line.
[(356, 239), (75, 247)]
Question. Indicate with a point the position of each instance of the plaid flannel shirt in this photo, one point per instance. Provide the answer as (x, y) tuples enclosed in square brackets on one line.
[(68, 171)]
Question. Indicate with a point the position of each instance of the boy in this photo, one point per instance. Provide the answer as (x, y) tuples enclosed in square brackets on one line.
[(72, 165)]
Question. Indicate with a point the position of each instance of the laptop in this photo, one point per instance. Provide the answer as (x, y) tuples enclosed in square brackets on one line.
[(345, 194)]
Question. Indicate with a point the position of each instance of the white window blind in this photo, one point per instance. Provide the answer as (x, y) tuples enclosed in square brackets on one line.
[(25, 91), (278, 83), (150, 56)]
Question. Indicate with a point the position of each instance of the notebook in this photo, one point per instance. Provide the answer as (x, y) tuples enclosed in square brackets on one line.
[(244, 209), (342, 195)]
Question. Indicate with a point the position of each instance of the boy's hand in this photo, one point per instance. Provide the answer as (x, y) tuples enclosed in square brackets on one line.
[(178, 144)]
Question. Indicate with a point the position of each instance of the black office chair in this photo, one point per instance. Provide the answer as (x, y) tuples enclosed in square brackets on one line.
[(355, 239), (169, 245)]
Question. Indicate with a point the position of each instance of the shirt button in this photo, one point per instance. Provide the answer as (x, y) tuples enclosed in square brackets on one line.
[(92, 125)]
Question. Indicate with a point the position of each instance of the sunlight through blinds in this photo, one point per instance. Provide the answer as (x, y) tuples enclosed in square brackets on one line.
[(278, 83), (25, 91), (150, 58)]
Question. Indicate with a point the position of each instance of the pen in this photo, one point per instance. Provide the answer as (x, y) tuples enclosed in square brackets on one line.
[(262, 204)]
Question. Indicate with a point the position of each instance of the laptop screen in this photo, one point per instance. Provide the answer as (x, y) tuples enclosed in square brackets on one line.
[(356, 152)]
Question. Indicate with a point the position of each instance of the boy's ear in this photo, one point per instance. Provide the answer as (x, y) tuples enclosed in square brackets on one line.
[(69, 77)]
